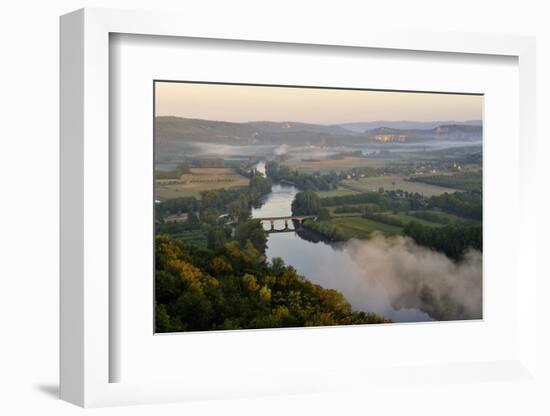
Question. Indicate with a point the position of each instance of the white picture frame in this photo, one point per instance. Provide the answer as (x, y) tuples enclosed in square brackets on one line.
[(85, 210)]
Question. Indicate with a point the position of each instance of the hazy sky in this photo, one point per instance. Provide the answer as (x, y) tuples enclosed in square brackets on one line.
[(324, 106)]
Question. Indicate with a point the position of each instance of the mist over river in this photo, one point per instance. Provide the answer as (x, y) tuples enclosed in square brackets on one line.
[(331, 265)]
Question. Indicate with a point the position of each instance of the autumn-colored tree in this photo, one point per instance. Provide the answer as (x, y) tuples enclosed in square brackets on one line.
[(200, 290)]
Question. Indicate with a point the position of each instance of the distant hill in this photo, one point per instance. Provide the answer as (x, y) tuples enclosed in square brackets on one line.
[(171, 129), (295, 127), (420, 125), (179, 131), (445, 132)]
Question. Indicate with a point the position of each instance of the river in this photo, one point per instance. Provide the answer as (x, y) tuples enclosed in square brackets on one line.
[(327, 264)]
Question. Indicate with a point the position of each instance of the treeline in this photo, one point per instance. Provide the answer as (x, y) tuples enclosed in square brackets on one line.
[(168, 174), (176, 227), (223, 198), (185, 167), (464, 204), (304, 181), (242, 167), (232, 288), (246, 168), (327, 230), (453, 240), (378, 201), (467, 181), (176, 206), (175, 173), (219, 199)]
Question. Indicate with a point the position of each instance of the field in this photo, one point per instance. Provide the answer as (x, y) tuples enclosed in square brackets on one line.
[(405, 219), (192, 238), (392, 183), (333, 213), (336, 192), (198, 180), (328, 165), (361, 228)]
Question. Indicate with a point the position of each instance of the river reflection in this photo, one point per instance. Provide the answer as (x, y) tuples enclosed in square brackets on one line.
[(329, 265)]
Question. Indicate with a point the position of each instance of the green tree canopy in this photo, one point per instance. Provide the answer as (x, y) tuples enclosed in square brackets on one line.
[(306, 203)]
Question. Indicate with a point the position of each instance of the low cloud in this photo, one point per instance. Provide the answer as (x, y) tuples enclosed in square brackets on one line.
[(281, 150), (414, 278)]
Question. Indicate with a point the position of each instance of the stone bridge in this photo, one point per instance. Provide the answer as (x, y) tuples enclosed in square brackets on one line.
[(298, 218)]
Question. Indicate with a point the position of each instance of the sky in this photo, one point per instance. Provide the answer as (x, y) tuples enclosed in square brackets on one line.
[(241, 103)]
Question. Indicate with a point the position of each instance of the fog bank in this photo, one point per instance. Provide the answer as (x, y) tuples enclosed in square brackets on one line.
[(415, 277)]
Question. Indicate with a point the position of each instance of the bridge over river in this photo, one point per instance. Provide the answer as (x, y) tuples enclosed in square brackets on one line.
[(295, 218)]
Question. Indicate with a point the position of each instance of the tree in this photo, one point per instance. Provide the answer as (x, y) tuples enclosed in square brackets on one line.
[(306, 203), (211, 199), (162, 319), (210, 216), (324, 215), (259, 186), (220, 266), (216, 238), (452, 239), (192, 221), (252, 231), (277, 266)]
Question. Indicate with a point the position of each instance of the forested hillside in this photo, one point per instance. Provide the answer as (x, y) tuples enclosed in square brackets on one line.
[(246, 292)]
